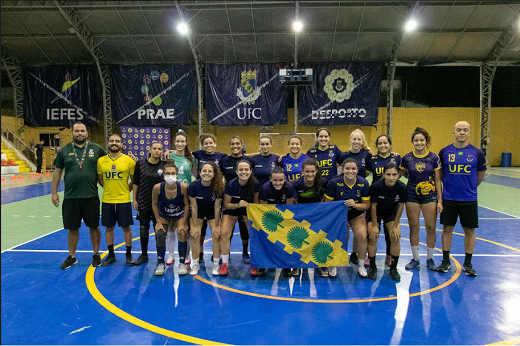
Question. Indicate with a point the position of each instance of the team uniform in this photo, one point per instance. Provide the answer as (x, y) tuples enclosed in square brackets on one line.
[(421, 176), (185, 166), (387, 199), (228, 166), (116, 204), (236, 191), (338, 190), (292, 167), (459, 195), (146, 175), (171, 209), (306, 194), (263, 165), (273, 196), (202, 157), (205, 199), (377, 164), (362, 158), (327, 160)]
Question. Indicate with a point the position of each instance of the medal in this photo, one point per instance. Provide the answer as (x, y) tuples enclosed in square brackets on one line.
[(78, 161)]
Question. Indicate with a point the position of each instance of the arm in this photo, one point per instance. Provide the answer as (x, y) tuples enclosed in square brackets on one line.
[(232, 206), (291, 201), (131, 183), (135, 188), (256, 200), (262, 202), (184, 220), (155, 206), (218, 203), (56, 177), (480, 177), (373, 233), (194, 218), (438, 188), (100, 179), (395, 231)]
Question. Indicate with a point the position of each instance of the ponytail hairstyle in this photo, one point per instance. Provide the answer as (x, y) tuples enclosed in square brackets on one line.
[(217, 185), (266, 136), (317, 185), (171, 163), (278, 170), (187, 152), (249, 188), (316, 144), (205, 136), (387, 137), (295, 136), (421, 131), (364, 144)]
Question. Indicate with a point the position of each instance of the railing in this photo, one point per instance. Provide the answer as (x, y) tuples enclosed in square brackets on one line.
[(18, 143)]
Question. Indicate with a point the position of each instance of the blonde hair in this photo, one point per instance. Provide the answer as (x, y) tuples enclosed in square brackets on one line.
[(364, 144)]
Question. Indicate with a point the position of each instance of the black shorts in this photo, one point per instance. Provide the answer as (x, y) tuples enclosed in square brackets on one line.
[(239, 212), (422, 199), (467, 211), (386, 219), (353, 213), (76, 209), (206, 214), (145, 216), (120, 212)]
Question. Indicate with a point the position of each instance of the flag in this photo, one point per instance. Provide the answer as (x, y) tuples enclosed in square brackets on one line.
[(298, 235)]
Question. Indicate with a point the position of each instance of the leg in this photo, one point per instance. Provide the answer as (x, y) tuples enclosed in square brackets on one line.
[(215, 235), (109, 236), (244, 235), (429, 211), (372, 250), (395, 247), (127, 232), (359, 229), (160, 241), (95, 239), (228, 223), (195, 232), (413, 211), (203, 237), (73, 238)]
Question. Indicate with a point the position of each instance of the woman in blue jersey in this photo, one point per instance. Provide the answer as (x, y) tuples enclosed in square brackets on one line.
[(292, 162), (171, 209), (264, 163), (325, 153), (205, 200), (424, 193), (354, 190), (238, 193), (376, 166), (359, 150)]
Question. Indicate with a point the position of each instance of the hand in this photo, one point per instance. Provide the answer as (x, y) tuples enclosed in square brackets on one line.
[(242, 203), (216, 231), (280, 159), (439, 207), (373, 234), (55, 200), (166, 155), (350, 203), (395, 233), (136, 205), (159, 226)]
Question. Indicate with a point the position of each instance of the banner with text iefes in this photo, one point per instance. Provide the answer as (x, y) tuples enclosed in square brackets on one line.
[(153, 95), (61, 95)]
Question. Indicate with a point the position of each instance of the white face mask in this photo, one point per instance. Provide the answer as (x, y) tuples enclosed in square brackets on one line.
[(170, 179)]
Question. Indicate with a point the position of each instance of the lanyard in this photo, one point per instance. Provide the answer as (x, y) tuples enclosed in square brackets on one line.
[(78, 161)]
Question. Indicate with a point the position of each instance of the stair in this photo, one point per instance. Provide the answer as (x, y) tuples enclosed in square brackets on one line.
[(23, 167)]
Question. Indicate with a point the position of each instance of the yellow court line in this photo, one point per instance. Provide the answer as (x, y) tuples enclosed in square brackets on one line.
[(514, 341)]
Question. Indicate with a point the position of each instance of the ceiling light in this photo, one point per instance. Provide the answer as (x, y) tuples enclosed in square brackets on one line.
[(182, 28), (411, 25), (297, 26)]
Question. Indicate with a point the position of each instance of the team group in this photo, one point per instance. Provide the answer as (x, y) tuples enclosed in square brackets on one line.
[(184, 192)]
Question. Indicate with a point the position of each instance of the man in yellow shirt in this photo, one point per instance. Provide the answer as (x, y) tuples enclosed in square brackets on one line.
[(114, 172)]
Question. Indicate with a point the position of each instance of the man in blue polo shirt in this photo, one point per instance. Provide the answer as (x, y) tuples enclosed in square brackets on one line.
[(463, 169)]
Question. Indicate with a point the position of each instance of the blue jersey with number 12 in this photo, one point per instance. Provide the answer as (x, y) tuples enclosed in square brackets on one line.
[(293, 167)]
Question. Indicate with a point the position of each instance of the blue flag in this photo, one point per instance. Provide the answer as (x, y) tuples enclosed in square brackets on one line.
[(307, 235)]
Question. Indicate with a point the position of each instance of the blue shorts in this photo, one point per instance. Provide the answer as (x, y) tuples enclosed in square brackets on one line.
[(420, 199), (120, 212)]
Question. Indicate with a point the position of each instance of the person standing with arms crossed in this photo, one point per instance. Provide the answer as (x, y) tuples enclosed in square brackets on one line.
[(38, 151), (114, 171), (463, 168), (81, 201)]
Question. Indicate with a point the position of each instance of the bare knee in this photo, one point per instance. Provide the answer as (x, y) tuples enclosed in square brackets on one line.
[(448, 230)]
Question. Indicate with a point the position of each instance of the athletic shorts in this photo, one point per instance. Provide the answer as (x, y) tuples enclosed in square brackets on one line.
[(467, 211), (422, 199), (353, 213), (236, 212), (385, 218), (76, 209), (206, 214), (145, 216), (120, 212)]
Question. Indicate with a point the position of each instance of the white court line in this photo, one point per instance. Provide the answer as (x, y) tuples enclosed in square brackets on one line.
[(11, 248), (501, 212), (480, 218)]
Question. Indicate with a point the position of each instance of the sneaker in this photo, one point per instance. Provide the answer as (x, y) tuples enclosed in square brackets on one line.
[(246, 258), (413, 264), (170, 260), (367, 262), (108, 260), (295, 272), (467, 268), (388, 260), (215, 270), (394, 274), (223, 269), (201, 257), (69, 262), (187, 261), (160, 269), (372, 273), (130, 260), (324, 272), (444, 267), (182, 269), (354, 259), (194, 269), (333, 272), (142, 259), (262, 272), (253, 271), (431, 265), (96, 260), (362, 272)]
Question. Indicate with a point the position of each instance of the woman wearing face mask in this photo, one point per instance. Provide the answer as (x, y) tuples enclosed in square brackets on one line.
[(205, 200), (354, 190), (325, 153), (238, 193), (388, 196), (292, 162), (424, 193), (277, 191), (171, 209), (376, 165), (148, 173), (265, 162)]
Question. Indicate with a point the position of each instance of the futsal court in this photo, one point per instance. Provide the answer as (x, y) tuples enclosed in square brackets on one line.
[(42, 304)]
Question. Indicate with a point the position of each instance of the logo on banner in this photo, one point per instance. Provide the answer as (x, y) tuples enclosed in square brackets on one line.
[(249, 91), (66, 88), (339, 85), (73, 114)]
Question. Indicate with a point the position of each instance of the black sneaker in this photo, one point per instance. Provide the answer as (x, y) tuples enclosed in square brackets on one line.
[(201, 257), (69, 262), (142, 259), (372, 273), (262, 272), (444, 267), (108, 260), (130, 260), (467, 268), (246, 258), (354, 259), (394, 274), (96, 260)]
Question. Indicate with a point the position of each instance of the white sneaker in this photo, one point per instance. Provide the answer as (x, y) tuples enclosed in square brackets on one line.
[(194, 269), (216, 268), (170, 259), (333, 272), (182, 269), (362, 272), (160, 269)]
